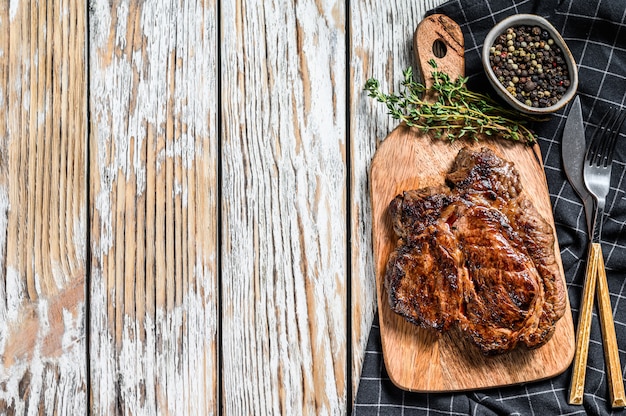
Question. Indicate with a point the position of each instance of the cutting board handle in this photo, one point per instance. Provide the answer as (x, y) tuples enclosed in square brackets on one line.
[(440, 38)]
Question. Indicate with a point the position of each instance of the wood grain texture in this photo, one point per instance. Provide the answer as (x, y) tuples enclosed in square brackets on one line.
[(381, 36), (609, 338), (595, 281), (284, 208), (583, 329), (417, 359), (42, 208), (153, 181)]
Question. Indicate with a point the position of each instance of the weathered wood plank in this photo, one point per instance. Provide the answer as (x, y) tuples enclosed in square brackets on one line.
[(283, 207), (42, 208), (381, 47), (153, 180)]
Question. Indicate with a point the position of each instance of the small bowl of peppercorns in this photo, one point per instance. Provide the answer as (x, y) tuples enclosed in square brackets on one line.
[(529, 65)]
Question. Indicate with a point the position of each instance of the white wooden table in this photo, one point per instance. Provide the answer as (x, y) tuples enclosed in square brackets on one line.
[(184, 202)]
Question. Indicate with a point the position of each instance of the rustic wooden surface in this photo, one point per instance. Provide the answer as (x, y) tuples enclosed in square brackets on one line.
[(43, 208), (185, 223), (153, 202)]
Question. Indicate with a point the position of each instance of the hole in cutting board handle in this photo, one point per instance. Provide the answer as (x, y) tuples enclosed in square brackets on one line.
[(439, 48)]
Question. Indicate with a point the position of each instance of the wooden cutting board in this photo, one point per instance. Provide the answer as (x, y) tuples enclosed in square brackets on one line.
[(418, 359)]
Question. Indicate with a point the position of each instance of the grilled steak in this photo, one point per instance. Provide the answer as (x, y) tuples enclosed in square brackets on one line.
[(476, 255)]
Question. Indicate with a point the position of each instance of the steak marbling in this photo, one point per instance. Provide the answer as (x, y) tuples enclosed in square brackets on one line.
[(476, 255)]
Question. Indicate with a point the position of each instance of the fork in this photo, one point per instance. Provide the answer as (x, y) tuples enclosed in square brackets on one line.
[(597, 179)]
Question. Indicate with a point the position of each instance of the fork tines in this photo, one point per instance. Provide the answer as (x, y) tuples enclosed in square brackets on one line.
[(605, 136)]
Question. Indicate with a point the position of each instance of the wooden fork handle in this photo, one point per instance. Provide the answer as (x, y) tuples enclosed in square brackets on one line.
[(577, 386), (609, 340), (596, 273)]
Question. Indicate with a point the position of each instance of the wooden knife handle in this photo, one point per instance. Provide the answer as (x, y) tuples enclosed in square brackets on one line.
[(577, 387), (609, 340)]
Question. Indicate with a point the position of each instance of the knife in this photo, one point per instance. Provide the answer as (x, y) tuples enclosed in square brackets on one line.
[(573, 149), (573, 152)]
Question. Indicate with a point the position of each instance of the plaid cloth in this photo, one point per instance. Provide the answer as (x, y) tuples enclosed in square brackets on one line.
[(596, 34)]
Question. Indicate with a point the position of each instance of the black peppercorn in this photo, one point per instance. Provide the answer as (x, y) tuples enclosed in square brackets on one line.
[(530, 65), (529, 86)]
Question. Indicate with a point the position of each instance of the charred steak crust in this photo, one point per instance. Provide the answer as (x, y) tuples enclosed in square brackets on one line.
[(476, 255)]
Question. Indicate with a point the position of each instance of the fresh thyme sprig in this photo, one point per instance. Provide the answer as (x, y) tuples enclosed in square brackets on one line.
[(456, 111)]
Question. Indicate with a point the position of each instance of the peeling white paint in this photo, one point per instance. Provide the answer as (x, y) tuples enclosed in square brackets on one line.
[(118, 119), (145, 102), (43, 320), (103, 206), (284, 258), (159, 360), (38, 284), (56, 382), (5, 206), (99, 23), (14, 293), (58, 275), (122, 19), (186, 154), (73, 346), (178, 189), (13, 7), (102, 352), (79, 235)]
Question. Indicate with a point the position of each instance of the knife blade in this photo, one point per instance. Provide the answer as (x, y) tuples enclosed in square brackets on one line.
[(573, 153)]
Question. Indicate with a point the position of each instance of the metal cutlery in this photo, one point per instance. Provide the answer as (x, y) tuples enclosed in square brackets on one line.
[(597, 177), (590, 177), (573, 153), (573, 149)]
